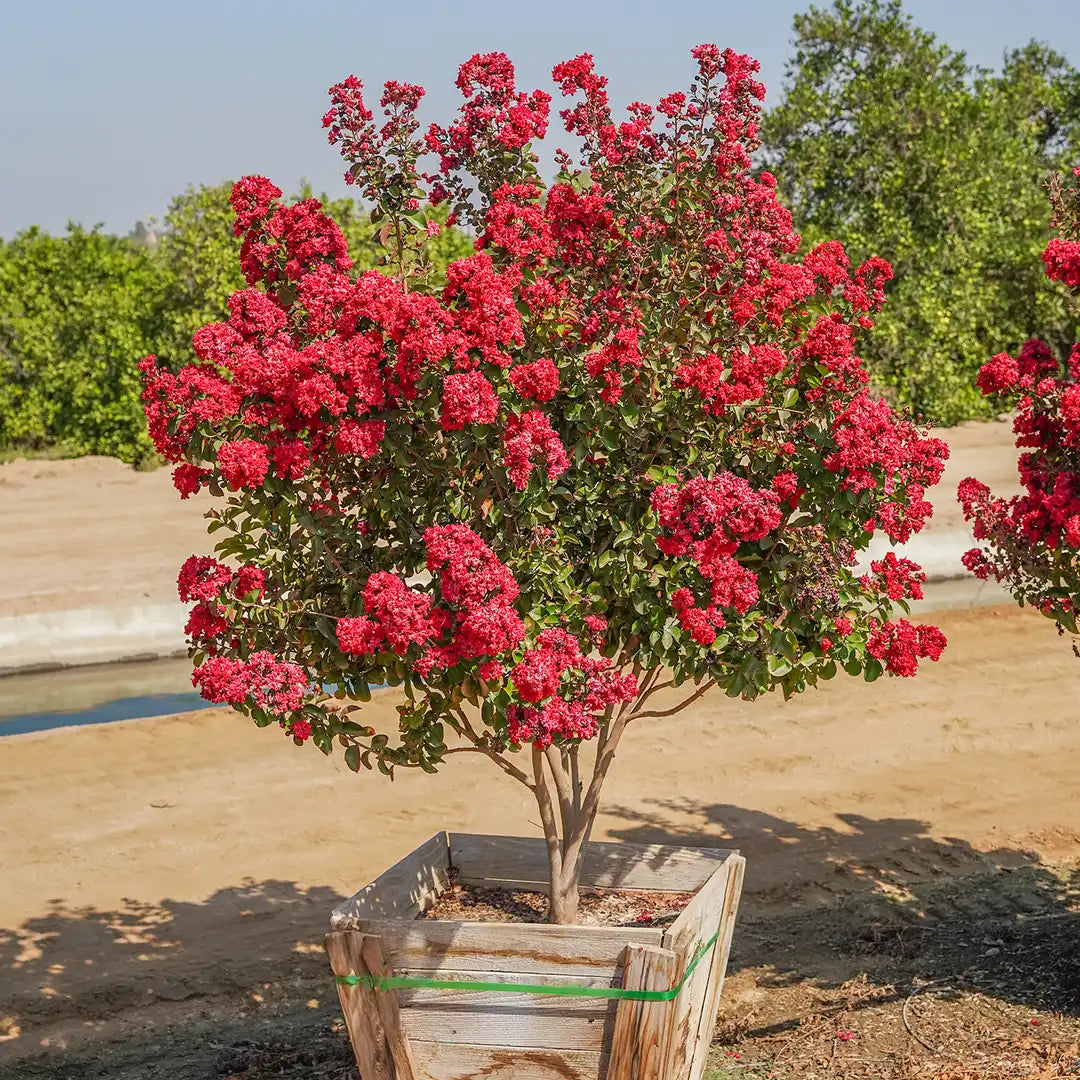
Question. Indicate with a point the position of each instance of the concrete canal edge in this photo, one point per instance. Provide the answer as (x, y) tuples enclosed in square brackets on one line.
[(105, 635)]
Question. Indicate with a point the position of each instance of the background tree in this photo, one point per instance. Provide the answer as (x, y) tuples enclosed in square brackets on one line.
[(895, 144), (74, 310)]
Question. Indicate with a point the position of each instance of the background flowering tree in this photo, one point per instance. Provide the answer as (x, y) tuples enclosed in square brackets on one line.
[(626, 451), (1031, 542)]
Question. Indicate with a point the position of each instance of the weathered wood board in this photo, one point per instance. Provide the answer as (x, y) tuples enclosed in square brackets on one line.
[(406, 890), (454, 1061), (427, 946)]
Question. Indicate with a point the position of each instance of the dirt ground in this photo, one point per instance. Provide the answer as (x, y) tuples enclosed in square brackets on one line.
[(913, 845), (72, 558), (176, 873)]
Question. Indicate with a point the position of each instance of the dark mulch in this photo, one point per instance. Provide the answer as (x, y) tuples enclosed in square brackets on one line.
[(600, 908)]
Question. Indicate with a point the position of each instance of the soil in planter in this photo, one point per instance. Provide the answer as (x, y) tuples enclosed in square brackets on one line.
[(598, 907)]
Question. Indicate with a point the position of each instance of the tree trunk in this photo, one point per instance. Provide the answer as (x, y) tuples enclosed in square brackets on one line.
[(565, 898), (567, 812)]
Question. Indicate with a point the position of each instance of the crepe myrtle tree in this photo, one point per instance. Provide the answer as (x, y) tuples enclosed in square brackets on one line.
[(624, 455), (1031, 542)]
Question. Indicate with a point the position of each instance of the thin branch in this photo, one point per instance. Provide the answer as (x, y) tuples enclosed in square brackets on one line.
[(604, 758), (654, 689), (703, 689), (547, 815), (562, 787), (648, 685), (507, 766), (575, 775)]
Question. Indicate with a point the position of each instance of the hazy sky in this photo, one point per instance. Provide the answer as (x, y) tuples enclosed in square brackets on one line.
[(107, 108)]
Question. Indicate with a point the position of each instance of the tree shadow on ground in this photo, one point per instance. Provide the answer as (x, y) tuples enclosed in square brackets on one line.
[(75, 974), (883, 902)]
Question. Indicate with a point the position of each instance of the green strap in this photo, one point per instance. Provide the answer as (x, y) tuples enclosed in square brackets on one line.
[(401, 982)]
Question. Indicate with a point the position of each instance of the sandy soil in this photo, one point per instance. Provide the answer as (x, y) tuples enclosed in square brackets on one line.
[(158, 866), (69, 557), (60, 544)]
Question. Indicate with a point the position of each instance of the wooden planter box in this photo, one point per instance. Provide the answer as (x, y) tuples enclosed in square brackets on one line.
[(450, 1034)]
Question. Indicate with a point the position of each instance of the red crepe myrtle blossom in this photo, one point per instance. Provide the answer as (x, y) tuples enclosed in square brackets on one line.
[(629, 434), (900, 579), (189, 479), (1031, 542), (900, 645)]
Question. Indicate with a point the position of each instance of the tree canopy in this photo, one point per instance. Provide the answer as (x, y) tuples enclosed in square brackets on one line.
[(897, 145)]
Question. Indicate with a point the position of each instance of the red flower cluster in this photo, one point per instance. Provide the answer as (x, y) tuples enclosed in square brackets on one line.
[(205, 581), (268, 684), (475, 619), (538, 381), (467, 398), (205, 624), (708, 519), (899, 579), (900, 645), (746, 376), (1062, 259), (723, 511), (202, 578), (494, 111), (565, 691), (249, 579), (243, 463), (701, 623), (881, 452), (1004, 373), (530, 437), (189, 479)]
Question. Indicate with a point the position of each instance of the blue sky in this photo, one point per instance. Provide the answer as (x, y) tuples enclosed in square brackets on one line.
[(108, 108)]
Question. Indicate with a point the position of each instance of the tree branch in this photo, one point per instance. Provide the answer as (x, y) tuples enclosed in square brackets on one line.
[(703, 689), (654, 689), (604, 757), (507, 766), (547, 814), (562, 787), (575, 775)]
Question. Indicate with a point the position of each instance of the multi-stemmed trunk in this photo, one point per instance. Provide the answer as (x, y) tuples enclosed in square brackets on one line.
[(567, 799), (568, 807)]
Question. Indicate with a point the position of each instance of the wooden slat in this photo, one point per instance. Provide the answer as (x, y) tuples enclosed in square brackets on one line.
[(389, 1013), (362, 1016), (695, 925), (518, 948), (719, 968), (404, 891), (511, 1021), (521, 862), (454, 1061), (642, 1028)]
